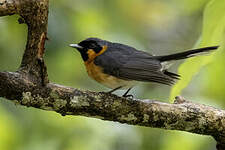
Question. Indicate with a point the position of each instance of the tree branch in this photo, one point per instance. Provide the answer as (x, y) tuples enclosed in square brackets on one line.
[(8, 7), (29, 86), (35, 14), (182, 115)]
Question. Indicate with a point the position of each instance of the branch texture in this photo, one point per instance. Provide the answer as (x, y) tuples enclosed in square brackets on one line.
[(8, 7), (182, 115), (29, 86)]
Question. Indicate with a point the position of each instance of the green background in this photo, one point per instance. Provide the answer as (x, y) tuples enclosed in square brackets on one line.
[(156, 26)]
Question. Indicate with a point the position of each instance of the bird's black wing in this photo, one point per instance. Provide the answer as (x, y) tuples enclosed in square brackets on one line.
[(130, 64)]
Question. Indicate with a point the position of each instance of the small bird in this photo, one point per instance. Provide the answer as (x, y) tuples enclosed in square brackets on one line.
[(119, 66)]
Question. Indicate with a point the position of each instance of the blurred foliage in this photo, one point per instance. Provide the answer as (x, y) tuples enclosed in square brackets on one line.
[(157, 26), (213, 34)]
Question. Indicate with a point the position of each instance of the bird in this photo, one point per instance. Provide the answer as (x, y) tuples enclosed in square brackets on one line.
[(119, 66)]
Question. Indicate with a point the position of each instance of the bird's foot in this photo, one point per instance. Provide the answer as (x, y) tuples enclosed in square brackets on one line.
[(113, 90), (128, 96)]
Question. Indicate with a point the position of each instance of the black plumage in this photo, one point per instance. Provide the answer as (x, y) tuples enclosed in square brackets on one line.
[(128, 63)]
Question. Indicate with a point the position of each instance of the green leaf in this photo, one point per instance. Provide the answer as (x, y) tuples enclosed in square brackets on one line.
[(190, 6), (212, 34)]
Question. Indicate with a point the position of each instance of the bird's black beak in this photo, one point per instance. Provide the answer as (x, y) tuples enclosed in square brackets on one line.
[(76, 46)]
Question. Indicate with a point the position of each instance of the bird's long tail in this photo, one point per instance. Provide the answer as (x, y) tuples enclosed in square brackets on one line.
[(186, 54)]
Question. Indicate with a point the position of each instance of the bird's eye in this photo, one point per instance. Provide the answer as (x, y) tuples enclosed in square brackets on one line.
[(92, 45)]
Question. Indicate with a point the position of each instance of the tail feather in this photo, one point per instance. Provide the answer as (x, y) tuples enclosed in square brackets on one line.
[(186, 54), (172, 75)]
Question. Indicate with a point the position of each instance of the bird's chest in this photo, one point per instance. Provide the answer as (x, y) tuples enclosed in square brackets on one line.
[(96, 73)]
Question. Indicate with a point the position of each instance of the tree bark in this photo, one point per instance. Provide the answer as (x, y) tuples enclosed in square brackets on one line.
[(29, 86)]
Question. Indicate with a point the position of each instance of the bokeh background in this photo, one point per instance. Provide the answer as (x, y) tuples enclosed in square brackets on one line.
[(156, 26)]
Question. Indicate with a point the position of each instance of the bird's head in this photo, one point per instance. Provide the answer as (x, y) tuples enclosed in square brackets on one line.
[(90, 48)]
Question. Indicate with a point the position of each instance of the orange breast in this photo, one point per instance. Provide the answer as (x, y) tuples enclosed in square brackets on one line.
[(96, 73)]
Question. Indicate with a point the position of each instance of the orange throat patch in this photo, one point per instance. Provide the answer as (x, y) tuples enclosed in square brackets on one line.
[(95, 72), (92, 54)]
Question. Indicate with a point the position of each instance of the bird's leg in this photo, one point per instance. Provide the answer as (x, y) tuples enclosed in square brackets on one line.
[(113, 90), (126, 93)]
